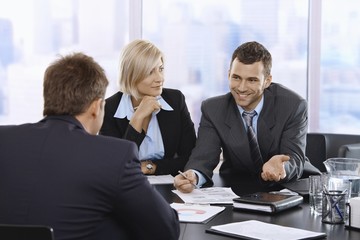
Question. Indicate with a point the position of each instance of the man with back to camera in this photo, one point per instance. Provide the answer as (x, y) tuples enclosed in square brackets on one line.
[(58, 172), (274, 152)]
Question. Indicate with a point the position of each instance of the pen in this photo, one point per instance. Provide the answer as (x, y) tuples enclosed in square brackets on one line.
[(182, 174), (333, 203)]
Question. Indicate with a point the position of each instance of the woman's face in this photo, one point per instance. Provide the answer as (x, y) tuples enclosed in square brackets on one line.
[(152, 85)]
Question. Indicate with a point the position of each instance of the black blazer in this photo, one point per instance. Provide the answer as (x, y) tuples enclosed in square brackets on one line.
[(84, 186), (177, 130)]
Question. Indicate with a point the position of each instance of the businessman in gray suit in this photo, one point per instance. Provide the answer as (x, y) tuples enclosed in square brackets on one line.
[(59, 172), (279, 127)]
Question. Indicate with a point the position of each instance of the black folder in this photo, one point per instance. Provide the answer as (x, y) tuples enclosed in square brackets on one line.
[(267, 202)]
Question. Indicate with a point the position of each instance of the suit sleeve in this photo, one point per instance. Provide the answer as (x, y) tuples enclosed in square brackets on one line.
[(142, 209), (171, 165), (206, 154), (293, 141), (109, 126), (119, 128), (132, 135)]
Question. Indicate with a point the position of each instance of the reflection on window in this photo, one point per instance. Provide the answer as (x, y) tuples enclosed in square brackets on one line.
[(198, 38), (33, 32)]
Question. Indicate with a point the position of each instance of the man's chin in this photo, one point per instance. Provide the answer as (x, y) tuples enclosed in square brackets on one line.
[(242, 103)]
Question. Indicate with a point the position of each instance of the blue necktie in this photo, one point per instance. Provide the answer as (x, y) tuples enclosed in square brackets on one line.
[(254, 146)]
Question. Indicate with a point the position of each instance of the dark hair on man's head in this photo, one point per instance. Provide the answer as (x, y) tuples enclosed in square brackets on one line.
[(71, 84), (251, 52)]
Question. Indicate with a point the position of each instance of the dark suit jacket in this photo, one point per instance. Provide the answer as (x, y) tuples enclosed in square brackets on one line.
[(86, 187), (281, 129), (177, 130)]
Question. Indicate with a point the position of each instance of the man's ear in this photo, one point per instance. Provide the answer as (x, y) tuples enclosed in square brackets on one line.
[(268, 81), (96, 107)]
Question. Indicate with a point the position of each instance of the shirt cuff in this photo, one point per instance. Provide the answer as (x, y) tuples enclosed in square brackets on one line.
[(201, 178)]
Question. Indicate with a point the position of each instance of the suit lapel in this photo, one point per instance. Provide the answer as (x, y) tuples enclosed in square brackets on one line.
[(167, 129), (265, 123), (237, 138)]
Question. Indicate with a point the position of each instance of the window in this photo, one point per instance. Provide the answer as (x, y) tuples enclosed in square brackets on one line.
[(199, 37), (32, 34), (340, 70)]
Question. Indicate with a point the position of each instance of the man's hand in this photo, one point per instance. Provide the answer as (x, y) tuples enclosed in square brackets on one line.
[(185, 185), (274, 169)]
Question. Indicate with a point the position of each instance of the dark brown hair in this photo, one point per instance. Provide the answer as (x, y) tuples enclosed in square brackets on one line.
[(71, 84), (251, 52)]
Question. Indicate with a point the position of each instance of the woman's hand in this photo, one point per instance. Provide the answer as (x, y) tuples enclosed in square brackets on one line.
[(142, 115), (148, 167)]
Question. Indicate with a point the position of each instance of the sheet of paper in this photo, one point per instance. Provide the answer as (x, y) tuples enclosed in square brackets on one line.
[(211, 195), (250, 229), (160, 179), (257, 207), (195, 212)]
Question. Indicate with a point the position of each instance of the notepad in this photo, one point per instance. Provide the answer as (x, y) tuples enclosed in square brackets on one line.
[(253, 229)]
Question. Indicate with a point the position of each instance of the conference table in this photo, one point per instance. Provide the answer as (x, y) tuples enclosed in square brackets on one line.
[(297, 217)]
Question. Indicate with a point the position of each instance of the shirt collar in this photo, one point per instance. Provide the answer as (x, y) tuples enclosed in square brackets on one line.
[(125, 108)]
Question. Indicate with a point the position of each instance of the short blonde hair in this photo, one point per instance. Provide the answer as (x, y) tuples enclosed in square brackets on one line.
[(138, 59)]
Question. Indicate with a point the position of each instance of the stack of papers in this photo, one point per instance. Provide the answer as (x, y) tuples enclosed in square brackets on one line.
[(196, 213), (211, 195), (253, 229)]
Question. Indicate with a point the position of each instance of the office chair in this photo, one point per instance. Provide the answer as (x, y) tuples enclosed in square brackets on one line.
[(25, 232), (321, 146)]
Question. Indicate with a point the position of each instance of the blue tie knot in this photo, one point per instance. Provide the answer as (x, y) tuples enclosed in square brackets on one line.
[(248, 116)]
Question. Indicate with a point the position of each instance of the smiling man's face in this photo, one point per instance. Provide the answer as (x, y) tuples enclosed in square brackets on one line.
[(247, 83)]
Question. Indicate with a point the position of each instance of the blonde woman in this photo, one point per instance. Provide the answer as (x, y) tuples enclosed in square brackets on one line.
[(155, 118)]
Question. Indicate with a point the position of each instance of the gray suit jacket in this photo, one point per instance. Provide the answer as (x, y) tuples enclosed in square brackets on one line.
[(281, 129)]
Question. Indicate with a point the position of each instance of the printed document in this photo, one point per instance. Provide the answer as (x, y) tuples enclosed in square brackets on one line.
[(160, 179), (196, 213), (253, 229), (211, 195)]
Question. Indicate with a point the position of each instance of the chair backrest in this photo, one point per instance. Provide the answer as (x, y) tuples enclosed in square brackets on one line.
[(321, 146), (26, 232), (350, 150)]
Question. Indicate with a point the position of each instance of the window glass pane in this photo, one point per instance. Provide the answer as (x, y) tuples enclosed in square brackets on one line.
[(198, 38), (340, 69), (33, 32)]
